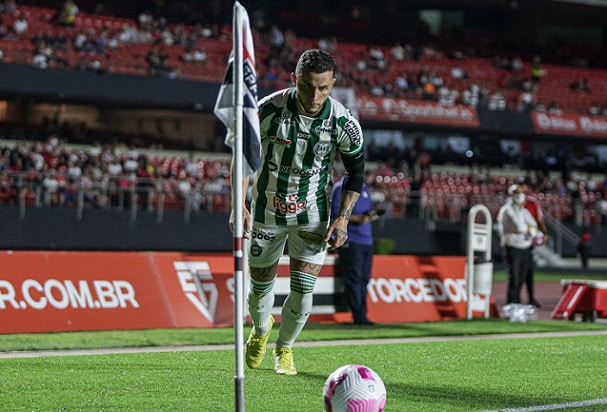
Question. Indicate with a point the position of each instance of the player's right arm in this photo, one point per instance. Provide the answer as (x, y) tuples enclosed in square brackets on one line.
[(246, 216)]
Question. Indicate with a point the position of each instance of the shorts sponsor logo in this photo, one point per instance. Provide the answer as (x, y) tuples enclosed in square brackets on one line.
[(321, 149), (262, 234), (312, 249), (311, 236), (353, 132)]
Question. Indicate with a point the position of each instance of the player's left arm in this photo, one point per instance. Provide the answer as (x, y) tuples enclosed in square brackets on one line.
[(337, 234)]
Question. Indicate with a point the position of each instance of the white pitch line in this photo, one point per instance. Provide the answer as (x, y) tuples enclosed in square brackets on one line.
[(378, 341), (566, 405)]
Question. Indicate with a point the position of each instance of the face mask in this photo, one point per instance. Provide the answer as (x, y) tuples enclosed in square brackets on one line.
[(519, 198)]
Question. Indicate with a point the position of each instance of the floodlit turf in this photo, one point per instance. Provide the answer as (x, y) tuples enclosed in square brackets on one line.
[(472, 375), (436, 376)]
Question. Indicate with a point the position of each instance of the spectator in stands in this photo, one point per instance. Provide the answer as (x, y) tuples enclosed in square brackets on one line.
[(40, 57), (536, 69), (580, 85), (68, 13), (516, 64), (517, 229), (3, 29), (21, 27)]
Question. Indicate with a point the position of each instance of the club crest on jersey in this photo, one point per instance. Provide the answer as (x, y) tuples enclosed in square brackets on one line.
[(321, 149), (353, 132)]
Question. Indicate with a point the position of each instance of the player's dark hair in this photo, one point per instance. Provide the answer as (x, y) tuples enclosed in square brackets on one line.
[(316, 61)]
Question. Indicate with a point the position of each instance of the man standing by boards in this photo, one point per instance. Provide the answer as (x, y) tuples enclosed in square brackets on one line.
[(356, 255)]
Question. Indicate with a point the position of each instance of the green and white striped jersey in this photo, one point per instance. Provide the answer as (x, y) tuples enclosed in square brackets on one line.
[(294, 183)]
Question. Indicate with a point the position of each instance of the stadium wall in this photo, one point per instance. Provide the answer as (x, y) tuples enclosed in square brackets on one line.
[(47, 291), (114, 230)]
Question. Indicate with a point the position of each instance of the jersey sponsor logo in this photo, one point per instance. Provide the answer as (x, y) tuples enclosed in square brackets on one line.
[(280, 140), (353, 132), (292, 204), (311, 236), (285, 119), (303, 135), (321, 149), (197, 284), (301, 172), (325, 128), (263, 234)]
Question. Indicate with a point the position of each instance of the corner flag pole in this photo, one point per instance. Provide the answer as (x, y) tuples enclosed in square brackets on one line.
[(237, 109), (237, 198)]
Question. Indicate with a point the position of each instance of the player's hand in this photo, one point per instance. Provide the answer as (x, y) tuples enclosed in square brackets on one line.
[(246, 222), (337, 234)]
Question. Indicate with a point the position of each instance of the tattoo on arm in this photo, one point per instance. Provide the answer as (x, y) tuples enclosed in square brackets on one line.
[(346, 203)]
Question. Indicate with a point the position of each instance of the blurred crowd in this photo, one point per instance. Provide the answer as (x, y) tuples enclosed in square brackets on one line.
[(113, 174), (421, 68), (44, 170)]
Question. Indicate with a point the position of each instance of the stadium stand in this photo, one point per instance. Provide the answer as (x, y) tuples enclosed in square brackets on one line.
[(126, 46), (151, 46)]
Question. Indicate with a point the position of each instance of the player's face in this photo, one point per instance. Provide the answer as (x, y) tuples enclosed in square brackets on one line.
[(313, 90)]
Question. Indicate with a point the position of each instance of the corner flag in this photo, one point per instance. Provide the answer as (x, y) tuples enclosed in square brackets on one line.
[(237, 108), (225, 107)]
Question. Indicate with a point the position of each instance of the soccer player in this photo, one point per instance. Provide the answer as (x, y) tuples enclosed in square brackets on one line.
[(302, 129)]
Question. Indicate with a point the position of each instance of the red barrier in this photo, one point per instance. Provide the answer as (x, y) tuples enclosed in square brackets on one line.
[(69, 291)]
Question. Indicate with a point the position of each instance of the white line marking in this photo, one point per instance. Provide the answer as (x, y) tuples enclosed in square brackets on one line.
[(578, 404), (308, 344)]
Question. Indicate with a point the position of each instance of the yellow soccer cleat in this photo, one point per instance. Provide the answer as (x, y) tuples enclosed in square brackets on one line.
[(283, 361), (255, 348)]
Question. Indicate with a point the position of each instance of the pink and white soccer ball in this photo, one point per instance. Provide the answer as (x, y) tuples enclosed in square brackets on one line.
[(354, 388)]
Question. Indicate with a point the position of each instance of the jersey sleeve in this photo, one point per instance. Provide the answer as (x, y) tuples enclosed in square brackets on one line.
[(351, 136)]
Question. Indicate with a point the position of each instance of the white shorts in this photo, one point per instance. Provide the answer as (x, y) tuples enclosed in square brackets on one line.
[(305, 242)]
